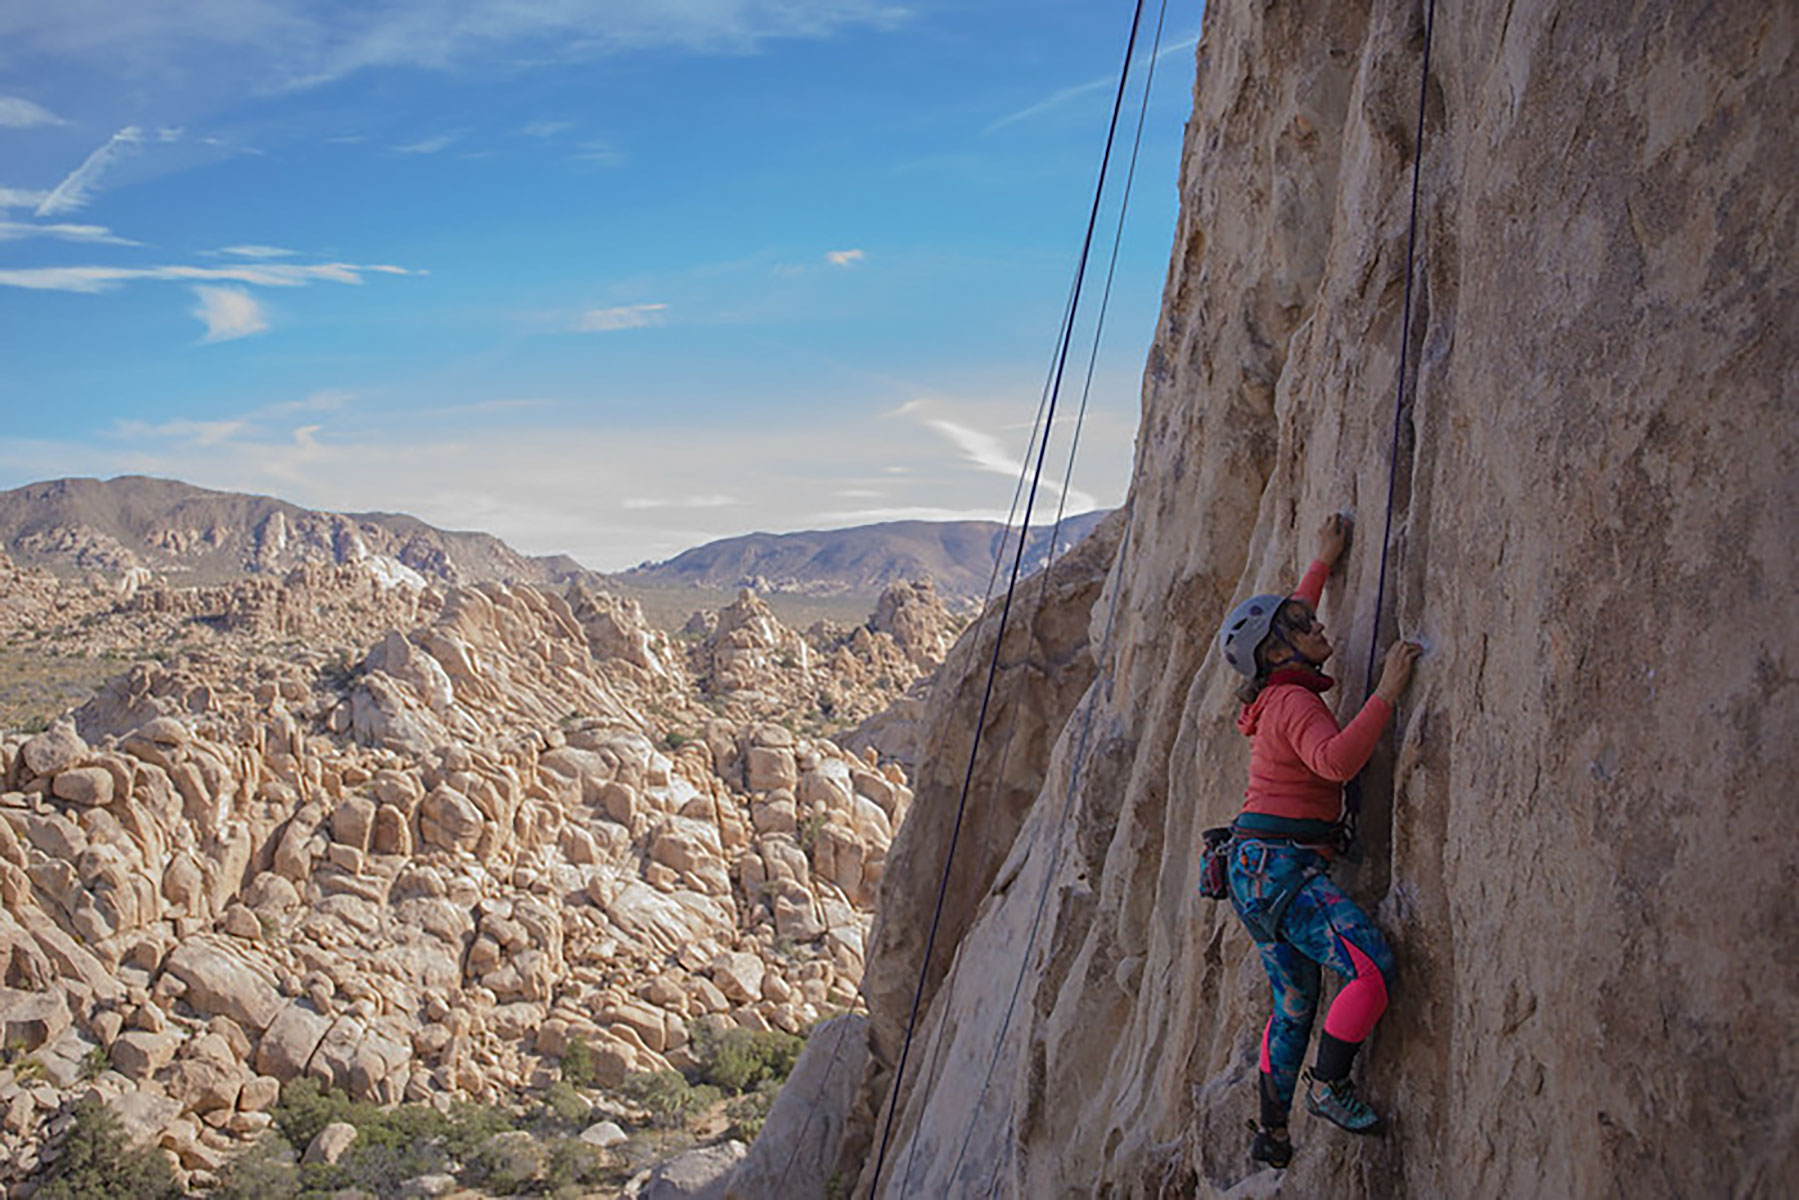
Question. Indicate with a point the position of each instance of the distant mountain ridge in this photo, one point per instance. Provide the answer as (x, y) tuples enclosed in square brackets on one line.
[(957, 555), (203, 536), (197, 535)]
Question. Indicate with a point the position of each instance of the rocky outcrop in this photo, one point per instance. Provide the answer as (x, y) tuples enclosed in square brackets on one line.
[(1043, 668), (1576, 838), (120, 527), (422, 868)]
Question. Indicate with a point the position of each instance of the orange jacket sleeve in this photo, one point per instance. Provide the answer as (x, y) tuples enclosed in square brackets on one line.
[(1333, 754), (1311, 585)]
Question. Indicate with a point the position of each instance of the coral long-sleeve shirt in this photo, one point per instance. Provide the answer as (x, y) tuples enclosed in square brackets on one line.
[(1298, 758)]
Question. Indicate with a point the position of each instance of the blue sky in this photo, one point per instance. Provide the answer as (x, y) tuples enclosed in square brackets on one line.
[(604, 277)]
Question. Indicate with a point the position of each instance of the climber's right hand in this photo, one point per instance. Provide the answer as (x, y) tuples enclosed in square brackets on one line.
[(1396, 673)]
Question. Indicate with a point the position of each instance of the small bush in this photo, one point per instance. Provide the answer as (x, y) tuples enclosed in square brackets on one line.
[(572, 1163), (749, 1112), (392, 1145), (807, 835), (741, 1060), (97, 1164), (268, 1170), (471, 1125), (507, 1163), (95, 1063), (578, 1065), (563, 1108), (668, 1097)]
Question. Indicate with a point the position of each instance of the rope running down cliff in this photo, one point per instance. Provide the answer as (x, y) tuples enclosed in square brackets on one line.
[(1100, 657), (1005, 610), (1353, 794)]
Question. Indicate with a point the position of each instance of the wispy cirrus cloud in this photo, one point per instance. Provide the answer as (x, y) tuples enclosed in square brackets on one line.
[(985, 451), (95, 234), (544, 129), (293, 44), (627, 316), (182, 432), (640, 503), (19, 113), (1058, 98), (11, 197), (73, 192), (430, 145), (229, 313), (100, 279), (249, 251), (601, 154), (845, 258)]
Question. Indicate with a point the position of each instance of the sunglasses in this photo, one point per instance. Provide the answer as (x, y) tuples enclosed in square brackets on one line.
[(1299, 618)]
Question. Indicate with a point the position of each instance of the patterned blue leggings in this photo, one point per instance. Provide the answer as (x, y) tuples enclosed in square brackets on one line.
[(1320, 927)]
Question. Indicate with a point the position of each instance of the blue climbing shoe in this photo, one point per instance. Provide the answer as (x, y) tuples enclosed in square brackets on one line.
[(1338, 1103), (1268, 1149)]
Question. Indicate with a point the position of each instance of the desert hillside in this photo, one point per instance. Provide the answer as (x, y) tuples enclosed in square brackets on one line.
[(503, 854), (958, 556), (142, 527)]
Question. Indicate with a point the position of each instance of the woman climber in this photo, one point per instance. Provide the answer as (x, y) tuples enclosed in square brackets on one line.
[(1282, 843)]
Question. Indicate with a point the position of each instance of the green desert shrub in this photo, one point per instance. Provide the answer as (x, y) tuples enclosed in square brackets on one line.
[(668, 1097), (742, 1060), (267, 1170), (578, 1065), (392, 1144), (98, 1164)]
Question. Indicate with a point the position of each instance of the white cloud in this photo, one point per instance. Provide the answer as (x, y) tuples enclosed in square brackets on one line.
[(982, 449), (989, 453), (544, 129), (559, 484), (22, 197), (183, 432), (845, 258), (72, 193), (100, 279), (1106, 84), (17, 113), (229, 313), (98, 234), (603, 154), (323, 400), (253, 45), (430, 145), (629, 316), (913, 512), (638, 503), (251, 251)]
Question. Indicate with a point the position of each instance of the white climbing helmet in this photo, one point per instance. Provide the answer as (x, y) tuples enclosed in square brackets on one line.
[(1245, 628)]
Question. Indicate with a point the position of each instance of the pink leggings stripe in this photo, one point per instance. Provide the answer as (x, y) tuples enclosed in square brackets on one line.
[(1267, 1062), (1358, 1005)]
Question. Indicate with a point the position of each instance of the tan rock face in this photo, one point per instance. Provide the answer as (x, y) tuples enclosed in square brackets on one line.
[(1578, 839)]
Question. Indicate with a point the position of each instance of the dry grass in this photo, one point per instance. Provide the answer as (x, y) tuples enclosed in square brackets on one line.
[(39, 683)]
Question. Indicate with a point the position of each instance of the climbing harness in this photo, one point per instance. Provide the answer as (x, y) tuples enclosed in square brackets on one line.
[(1267, 875)]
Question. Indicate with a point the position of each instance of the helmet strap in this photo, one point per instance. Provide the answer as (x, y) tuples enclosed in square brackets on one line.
[(1298, 654)]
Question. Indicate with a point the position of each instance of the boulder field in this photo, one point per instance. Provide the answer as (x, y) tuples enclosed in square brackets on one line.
[(422, 869)]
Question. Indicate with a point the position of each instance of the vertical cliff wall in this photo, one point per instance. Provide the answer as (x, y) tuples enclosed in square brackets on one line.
[(1581, 835)]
